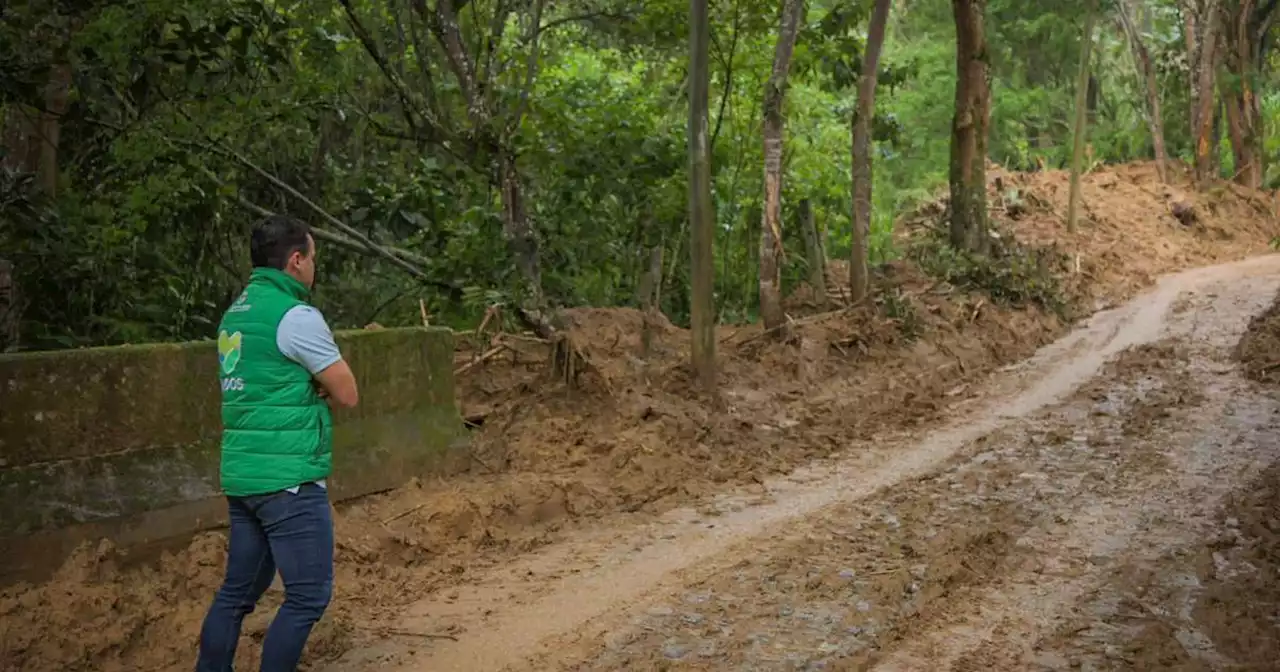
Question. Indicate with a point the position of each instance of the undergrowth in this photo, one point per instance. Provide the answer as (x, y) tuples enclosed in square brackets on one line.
[(1011, 274)]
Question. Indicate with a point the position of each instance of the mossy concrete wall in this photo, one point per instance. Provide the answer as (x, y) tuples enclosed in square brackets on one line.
[(123, 442)]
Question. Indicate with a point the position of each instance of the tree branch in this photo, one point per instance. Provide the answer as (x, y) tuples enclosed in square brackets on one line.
[(535, 29), (728, 75), (372, 249), (445, 26), (556, 23), (213, 146), (408, 100)]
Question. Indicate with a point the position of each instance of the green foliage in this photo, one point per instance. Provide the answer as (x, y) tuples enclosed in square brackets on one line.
[(895, 304), (146, 238), (1012, 274)]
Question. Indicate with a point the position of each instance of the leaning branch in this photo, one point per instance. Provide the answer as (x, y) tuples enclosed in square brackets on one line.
[(535, 28), (324, 214), (342, 241)]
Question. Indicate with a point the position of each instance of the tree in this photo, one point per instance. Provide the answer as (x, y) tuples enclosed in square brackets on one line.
[(489, 130), (1128, 12), (701, 216), (861, 148), (1201, 26), (1082, 118), (1247, 23), (771, 251), (968, 175)]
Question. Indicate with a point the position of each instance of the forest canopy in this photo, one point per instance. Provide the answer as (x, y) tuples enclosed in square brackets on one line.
[(533, 153)]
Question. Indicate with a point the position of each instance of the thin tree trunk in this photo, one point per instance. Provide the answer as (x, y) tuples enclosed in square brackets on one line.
[(1151, 89), (771, 251), (21, 138), (1242, 159), (1241, 44), (701, 216), (859, 279), (969, 129), (57, 96), (813, 252), (523, 244), (1082, 121), (1201, 22), (650, 298), (10, 308)]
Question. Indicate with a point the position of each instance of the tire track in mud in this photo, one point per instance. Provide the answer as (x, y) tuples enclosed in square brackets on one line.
[(844, 562), (1216, 435)]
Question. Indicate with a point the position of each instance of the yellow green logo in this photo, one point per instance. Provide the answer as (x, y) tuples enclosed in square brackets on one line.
[(228, 351)]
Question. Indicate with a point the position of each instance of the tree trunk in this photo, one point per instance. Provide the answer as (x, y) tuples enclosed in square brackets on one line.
[(1151, 89), (1082, 121), (1245, 28), (523, 244), (21, 139), (57, 96), (650, 298), (859, 279), (1243, 162), (771, 251), (969, 129), (1201, 21), (10, 309), (701, 216), (813, 252)]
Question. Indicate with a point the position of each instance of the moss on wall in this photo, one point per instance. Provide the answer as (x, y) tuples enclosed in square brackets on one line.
[(90, 436)]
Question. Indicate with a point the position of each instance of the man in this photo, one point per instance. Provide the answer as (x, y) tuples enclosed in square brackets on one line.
[(279, 368)]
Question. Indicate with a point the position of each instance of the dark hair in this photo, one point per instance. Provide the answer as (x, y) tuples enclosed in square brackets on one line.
[(275, 239)]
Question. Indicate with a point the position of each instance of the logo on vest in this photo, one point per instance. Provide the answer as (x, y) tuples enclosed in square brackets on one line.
[(228, 351), (242, 303)]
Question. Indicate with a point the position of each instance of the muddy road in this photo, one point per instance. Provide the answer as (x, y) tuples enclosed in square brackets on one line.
[(1111, 503)]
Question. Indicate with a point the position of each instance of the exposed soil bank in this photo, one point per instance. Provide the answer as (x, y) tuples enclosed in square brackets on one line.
[(631, 440)]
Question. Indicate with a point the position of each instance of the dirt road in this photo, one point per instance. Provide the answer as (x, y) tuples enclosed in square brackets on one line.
[(1078, 511)]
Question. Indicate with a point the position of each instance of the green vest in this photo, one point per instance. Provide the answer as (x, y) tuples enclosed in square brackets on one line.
[(276, 430)]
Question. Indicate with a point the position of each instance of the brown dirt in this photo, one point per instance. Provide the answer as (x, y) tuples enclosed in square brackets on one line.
[(1018, 550), (1215, 604), (1128, 234), (1259, 349), (632, 438)]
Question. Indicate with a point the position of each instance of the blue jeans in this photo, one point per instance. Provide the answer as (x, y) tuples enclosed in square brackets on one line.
[(285, 531)]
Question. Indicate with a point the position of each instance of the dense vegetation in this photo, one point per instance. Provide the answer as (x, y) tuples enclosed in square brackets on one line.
[(471, 152)]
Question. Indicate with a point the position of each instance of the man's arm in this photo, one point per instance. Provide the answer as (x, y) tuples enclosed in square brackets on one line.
[(339, 384), (304, 338)]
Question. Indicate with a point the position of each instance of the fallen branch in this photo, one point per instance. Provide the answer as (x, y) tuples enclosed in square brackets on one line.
[(527, 339), (977, 308), (402, 514), (488, 315), (795, 323), (383, 630), (489, 354)]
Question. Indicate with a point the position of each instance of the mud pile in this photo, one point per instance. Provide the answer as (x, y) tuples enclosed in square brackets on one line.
[(1132, 228), (1259, 348), (627, 432)]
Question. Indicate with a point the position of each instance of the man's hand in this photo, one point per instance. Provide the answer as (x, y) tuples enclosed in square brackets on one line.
[(320, 391)]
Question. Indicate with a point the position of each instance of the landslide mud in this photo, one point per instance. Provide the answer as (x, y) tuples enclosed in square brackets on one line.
[(989, 561), (569, 479)]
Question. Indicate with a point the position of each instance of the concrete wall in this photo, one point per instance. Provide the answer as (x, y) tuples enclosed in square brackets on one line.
[(123, 442)]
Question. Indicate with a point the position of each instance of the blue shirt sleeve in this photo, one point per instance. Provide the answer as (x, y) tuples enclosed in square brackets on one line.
[(304, 337)]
